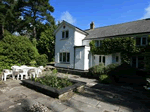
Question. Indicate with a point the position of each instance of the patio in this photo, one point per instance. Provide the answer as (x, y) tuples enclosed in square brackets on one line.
[(15, 97)]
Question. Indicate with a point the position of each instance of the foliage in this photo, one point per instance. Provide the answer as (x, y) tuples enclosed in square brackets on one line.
[(110, 67), (104, 78), (53, 81), (16, 50), (41, 59), (35, 11), (46, 43), (9, 14), (112, 45), (97, 69)]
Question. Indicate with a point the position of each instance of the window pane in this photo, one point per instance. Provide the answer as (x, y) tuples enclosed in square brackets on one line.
[(63, 34), (141, 62), (134, 61), (138, 41), (64, 57), (117, 58), (67, 34), (97, 43), (104, 59), (99, 59), (144, 41), (68, 57), (60, 57)]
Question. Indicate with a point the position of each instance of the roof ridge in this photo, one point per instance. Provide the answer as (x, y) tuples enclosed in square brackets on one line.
[(116, 24)]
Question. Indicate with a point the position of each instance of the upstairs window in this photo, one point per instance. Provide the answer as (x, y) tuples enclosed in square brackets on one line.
[(141, 41), (65, 34), (97, 43)]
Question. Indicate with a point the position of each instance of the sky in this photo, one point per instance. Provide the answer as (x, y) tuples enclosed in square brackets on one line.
[(102, 12)]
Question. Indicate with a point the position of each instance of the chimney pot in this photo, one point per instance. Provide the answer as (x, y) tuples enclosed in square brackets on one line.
[(92, 25)]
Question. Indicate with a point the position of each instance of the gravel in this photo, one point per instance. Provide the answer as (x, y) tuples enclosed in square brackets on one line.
[(37, 107)]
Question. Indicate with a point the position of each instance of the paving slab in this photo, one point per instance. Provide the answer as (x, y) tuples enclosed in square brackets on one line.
[(108, 107), (56, 106), (71, 110), (85, 99), (5, 105)]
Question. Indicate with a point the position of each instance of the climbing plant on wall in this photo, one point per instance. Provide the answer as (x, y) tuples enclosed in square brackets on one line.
[(125, 45)]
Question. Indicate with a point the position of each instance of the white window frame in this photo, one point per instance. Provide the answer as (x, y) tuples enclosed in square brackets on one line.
[(137, 61), (116, 58), (99, 43), (62, 57), (141, 41), (65, 34), (102, 59)]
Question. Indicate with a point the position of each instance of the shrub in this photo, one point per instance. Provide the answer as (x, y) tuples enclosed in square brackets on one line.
[(41, 59), (105, 79), (110, 67), (16, 50), (53, 81), (97, 70)]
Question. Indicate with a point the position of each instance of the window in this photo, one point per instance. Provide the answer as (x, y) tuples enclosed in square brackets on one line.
[(138, 41), (138, 62), (104, 60), (65, 34), (141, 41), (97, 43), (99, 59), (64, 57), (117, 58)]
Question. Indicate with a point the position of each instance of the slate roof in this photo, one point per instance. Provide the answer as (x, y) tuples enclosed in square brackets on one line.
[(134, 27)]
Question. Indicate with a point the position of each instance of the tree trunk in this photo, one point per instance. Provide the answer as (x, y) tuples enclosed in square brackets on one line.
[(34, 32)]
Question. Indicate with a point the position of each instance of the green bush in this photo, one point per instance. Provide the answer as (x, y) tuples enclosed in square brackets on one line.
[(53, 81), (110, 67), (105, 79), (97, 70), (16, 50), (42, 60)]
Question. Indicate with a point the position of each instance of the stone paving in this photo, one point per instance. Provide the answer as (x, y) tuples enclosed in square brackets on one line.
[(15, 97)]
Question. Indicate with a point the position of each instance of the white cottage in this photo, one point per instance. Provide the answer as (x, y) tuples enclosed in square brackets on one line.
[(72, 48)]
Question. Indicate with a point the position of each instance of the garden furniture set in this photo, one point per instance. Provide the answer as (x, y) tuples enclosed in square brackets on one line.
[(21, 71)]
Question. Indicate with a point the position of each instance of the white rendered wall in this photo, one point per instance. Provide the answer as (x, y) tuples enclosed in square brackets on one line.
[(78, 38), (64, 45), (86, 42), (79, 58), (108, 59), (114, 58), (86, 60)]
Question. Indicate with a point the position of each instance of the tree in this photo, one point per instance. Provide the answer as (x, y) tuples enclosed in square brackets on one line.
[(9, 14), (46, 43), (34, 11)]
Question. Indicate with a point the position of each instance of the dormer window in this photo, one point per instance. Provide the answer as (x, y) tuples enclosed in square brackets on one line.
[(141, 41), (65, 34)]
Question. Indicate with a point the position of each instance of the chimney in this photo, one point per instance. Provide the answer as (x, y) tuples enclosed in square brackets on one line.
[(92, 25)]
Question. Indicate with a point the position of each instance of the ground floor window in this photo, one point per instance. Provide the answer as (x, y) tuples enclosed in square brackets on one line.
[(138, 62), (102, 59), (64, 57)]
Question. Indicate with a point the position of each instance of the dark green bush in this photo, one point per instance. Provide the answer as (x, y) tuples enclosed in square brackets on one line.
[(110, 67), (16, 50), (42, 60), (105, 79), (97, 70)]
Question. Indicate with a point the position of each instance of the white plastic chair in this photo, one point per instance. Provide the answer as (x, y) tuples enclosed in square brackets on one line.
[(41, 67), (6, 72), (13, 67), (38, 71), (25, 72)]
